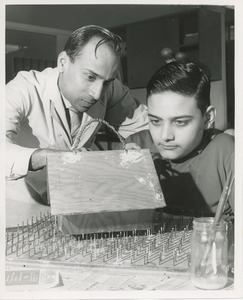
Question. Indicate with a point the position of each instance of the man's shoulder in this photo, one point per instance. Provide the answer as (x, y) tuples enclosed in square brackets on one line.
[(142, 138), (116, 87), (34, 77)]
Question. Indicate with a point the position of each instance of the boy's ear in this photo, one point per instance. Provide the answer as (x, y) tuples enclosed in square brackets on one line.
[(210, 116), (61, 61)]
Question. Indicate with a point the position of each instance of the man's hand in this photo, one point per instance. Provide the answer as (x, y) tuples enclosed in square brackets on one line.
[(39, 156), (38, 159), (132, 146)]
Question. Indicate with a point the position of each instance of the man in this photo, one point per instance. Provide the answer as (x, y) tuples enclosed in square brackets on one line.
[(41, 104)]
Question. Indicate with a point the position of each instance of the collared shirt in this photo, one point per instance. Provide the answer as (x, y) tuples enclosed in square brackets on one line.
[(74, 117)]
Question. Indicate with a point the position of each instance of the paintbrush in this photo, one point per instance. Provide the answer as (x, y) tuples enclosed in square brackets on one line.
[(219, 212)]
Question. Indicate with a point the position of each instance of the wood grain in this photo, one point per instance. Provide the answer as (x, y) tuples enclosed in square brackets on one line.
[(102, 181)]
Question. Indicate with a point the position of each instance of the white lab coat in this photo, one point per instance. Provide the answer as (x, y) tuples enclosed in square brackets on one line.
[(35, 118)]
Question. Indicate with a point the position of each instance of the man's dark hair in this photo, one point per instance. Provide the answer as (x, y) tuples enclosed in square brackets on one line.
[(184, 78), (81, 36)]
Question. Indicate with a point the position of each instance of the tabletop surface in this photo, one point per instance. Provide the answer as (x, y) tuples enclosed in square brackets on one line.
[(88, 272), (112, 279)]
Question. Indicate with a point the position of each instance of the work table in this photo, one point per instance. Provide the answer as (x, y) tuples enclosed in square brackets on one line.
[(131, 262)]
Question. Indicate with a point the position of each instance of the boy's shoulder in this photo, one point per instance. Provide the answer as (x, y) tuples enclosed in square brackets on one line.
[(221, 141), (220, 137)]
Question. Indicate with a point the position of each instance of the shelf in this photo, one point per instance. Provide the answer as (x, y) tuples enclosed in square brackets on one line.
[(189, 35), (192, 45), (196, 33)]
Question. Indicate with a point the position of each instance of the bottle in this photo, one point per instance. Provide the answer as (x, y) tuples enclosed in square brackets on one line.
[(214, 273)]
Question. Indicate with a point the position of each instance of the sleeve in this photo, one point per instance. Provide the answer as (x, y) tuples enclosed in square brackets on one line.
[(17, 105), (226, 152), (230, 167), (142, 138), (124, 112)]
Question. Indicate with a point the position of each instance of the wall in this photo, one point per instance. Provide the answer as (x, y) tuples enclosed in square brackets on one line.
[(218, 90), (140, 94), (218, 100)]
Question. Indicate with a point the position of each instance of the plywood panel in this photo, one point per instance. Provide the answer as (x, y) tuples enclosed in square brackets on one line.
[(102, 181)]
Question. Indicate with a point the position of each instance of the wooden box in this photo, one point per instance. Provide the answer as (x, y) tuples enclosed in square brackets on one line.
[(98, 191)]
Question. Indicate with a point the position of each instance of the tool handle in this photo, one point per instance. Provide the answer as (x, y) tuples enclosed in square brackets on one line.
[(223, 198), (222, 201)]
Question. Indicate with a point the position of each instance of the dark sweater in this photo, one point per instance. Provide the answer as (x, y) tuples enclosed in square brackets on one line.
[(193, 185)]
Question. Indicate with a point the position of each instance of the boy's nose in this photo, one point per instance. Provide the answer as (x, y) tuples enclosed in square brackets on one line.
[(167, 133), (96, 90)]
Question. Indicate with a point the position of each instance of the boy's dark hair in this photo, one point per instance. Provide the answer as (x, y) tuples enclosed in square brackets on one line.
[(81, 36), (185, 78)]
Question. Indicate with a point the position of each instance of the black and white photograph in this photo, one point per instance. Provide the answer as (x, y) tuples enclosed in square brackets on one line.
[(121, 150)]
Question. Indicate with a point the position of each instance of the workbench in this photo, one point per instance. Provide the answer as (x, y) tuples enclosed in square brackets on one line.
[(127, 262)]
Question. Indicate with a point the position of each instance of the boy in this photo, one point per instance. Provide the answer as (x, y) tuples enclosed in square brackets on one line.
[(192, 159)]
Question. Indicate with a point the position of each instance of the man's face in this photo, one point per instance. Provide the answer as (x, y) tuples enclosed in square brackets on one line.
[(176, 124), (83, 81)]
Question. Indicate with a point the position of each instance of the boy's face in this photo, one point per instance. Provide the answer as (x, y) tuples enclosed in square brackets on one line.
[(176, 124)]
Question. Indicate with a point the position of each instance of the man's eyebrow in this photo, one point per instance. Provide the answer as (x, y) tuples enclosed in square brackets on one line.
[(151, 115), (98, 75)]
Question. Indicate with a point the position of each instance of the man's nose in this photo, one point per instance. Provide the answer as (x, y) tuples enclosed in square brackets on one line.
[(96, 90), (167, 133)]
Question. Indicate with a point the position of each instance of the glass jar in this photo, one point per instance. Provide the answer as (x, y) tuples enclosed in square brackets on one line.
[(209, 254)]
